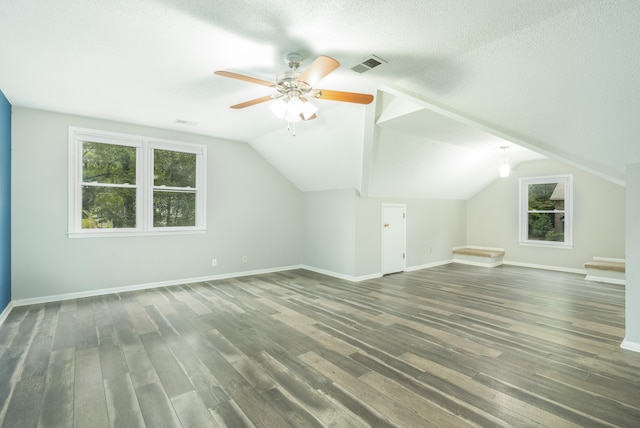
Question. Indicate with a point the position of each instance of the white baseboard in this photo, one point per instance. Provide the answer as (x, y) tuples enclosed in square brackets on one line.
[(5, 312), (476, 263), (366, 277), (545, 267), (373, 275), (429, 265), (595, 278), (609, 259), (106, 291), (341, 275), (630, 346)]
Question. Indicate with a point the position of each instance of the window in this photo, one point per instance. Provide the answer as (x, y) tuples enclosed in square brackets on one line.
[(545, 211), (128, 185)]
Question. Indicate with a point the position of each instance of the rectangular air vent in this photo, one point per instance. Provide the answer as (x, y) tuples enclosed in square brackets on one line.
[(186, 122), (369, 63)]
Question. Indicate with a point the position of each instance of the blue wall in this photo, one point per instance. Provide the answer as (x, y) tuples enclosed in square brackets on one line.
[(5, 202)]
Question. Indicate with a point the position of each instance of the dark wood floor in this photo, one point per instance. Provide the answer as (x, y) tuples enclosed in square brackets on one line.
[(449, 346)]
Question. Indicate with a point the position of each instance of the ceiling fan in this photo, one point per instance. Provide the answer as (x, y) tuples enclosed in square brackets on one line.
[(294, 88)]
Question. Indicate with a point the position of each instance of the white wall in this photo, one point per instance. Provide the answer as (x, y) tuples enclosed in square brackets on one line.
[(434, 227), (343, 232), (329, 231), (632, 289), (598, 212), (252, 210)]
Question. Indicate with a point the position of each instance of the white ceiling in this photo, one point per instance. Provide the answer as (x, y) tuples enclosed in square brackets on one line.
[(464, 77)]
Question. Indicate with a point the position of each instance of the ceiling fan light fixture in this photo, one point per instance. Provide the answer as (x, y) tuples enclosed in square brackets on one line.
[(308, 110), (292, 109), (279, 108)]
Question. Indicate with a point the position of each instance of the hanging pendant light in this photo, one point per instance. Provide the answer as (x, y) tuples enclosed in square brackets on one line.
[(505, 169)]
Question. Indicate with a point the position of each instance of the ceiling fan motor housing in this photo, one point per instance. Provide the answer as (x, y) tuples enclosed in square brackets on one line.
[(287, 83)]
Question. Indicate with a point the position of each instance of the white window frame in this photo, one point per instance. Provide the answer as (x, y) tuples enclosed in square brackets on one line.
[(567, 179), (144, 183)]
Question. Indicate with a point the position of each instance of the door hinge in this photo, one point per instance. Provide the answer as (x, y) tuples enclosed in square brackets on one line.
[(403, 256), (404, 215)]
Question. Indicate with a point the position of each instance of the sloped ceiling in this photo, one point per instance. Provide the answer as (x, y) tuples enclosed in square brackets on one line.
[(552, 77)]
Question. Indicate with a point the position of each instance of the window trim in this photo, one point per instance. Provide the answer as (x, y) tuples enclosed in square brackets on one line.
[(523, 217), (144, 183)]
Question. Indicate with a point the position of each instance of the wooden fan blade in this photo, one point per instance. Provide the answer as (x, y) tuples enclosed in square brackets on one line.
[(348, 97), (252, 102), (310, 118), (244, 78), (321, 67)]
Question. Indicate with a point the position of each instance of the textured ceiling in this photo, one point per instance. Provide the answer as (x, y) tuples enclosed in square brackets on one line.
[(463, 77)]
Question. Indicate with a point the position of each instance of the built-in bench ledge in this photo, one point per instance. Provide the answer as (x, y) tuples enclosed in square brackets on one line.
[(478, 256), (604, 269)]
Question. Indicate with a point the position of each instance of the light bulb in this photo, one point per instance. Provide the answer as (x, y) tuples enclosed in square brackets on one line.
[(308, 110), (505, 169), (278, 108), (294, 109)]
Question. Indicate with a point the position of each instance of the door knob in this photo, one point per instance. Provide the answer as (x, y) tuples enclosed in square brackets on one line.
[(386, 225)]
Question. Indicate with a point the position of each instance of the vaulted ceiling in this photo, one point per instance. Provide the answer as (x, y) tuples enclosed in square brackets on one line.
[(557, 78)]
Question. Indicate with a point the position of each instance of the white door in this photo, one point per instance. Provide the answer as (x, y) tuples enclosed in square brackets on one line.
[(393, 238)]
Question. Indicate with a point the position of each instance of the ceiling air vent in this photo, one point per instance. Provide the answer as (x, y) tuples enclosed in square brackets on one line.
[(369, 63), (186, 122)]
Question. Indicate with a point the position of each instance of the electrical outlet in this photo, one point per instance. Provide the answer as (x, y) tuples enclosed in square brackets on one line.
[(245, 259), (214, 262)]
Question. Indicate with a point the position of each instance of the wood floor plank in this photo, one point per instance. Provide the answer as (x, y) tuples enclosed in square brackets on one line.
[(36, 361), (192, 411), (229, 414), (57, 402), (27, 396), (391, 411), (65, 334), (156, 408), (203, 380), (85, 327), (173, 379), (122, 402), (433, 415), (90, 404), (300, 391), (531, 414)]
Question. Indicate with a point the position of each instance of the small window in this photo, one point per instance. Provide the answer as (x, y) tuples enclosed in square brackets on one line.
[(174, 188), (124, 185), (545, 211), (108, 186)]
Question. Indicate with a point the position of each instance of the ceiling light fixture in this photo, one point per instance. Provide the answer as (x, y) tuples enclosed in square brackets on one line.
[(292, 108), (505, 169)]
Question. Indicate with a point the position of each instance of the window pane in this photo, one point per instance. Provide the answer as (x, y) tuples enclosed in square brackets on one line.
[(174, 169), (174, 209), (544, 197), (546, 227), (108, 207), (108, 163)]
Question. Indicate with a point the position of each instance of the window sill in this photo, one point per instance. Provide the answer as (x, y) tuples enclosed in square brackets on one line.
[(130, 233), (547, 244)]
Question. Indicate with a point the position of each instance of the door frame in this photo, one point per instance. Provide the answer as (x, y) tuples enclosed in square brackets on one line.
[(404, 235)]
